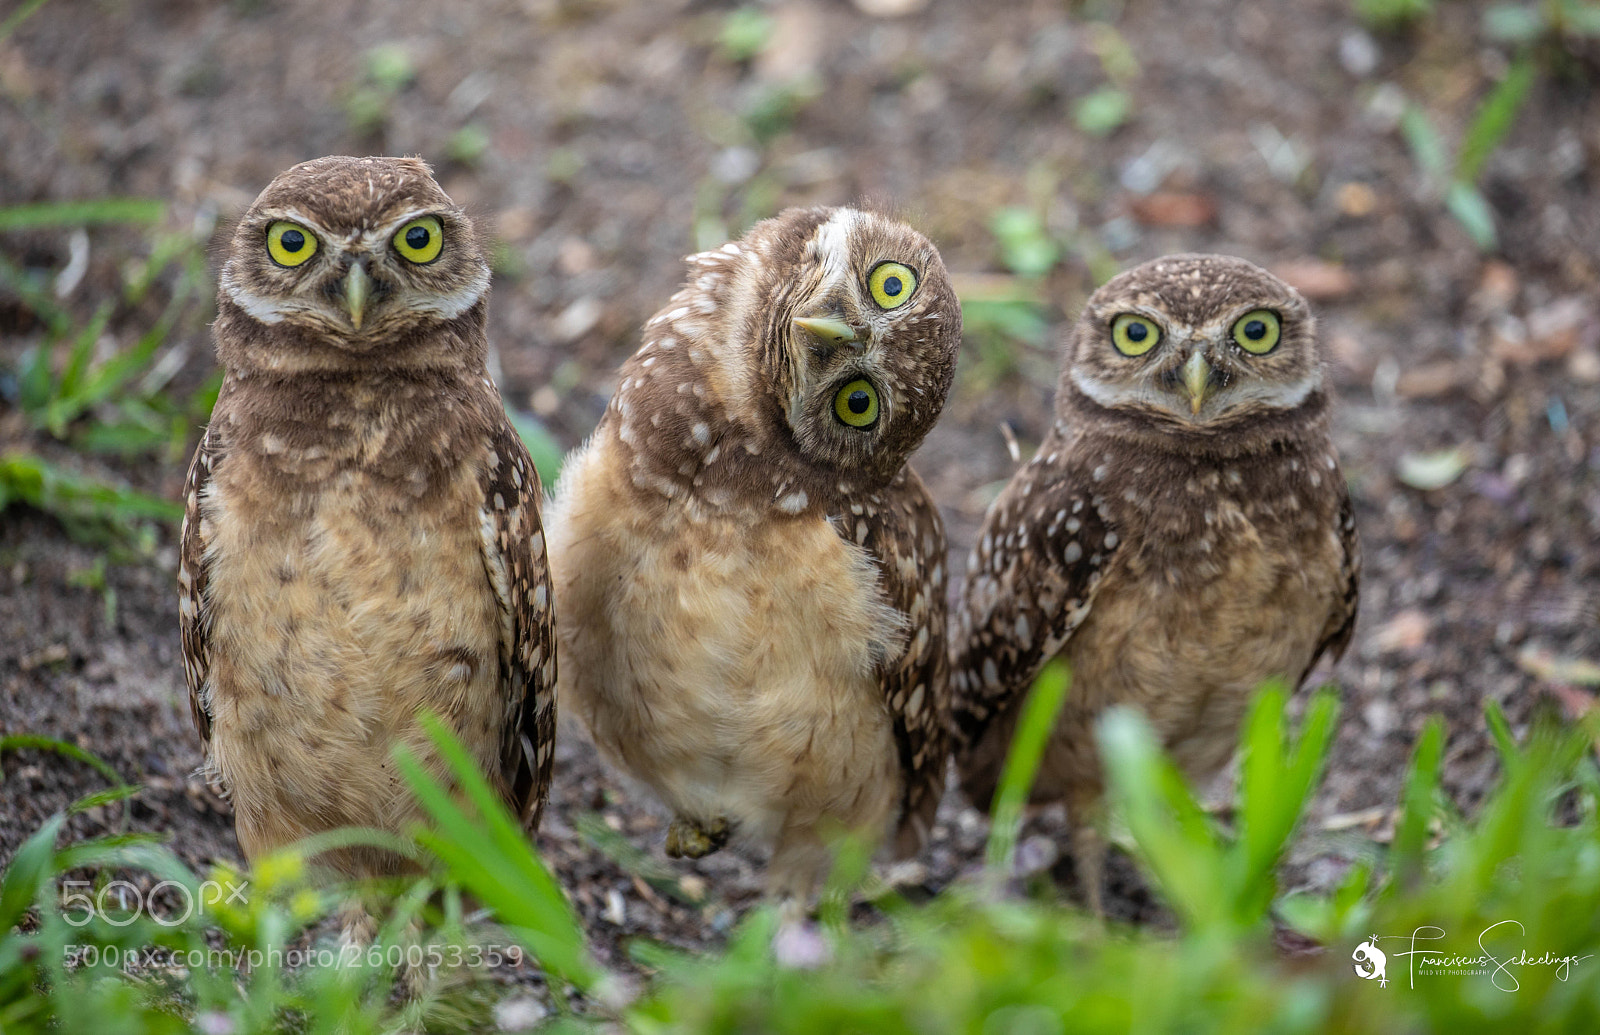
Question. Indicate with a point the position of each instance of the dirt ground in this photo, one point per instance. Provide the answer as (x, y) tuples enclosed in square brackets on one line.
[(604, 139)]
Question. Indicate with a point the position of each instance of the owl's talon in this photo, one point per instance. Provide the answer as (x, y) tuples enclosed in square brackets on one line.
[(687, 839)]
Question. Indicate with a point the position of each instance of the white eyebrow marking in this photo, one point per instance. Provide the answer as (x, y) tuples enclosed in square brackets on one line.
[(1276, 396), (265, 310), (455, 303), (833, 247)]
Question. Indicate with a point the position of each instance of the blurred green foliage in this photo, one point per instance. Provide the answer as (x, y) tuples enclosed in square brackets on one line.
[(1543, 21), (969, 960), (1102, 112), (102, 383), (1393, 14), (1543, 35), (468, 144), (91, 511), (387, 69), (744, 33), (19, 15), (1457, 181)]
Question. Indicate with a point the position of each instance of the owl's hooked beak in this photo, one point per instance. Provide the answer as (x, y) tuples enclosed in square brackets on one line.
[(830, 329), (357, 288), (1197, 380)]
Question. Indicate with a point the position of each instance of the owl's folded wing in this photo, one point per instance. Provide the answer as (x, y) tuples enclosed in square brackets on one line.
[(1032, 577), (1342, 618), (194, 618), (907, 538), (514, 557)]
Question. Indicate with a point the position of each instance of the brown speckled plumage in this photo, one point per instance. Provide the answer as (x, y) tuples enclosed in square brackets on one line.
[(753, 592), (362, 535), (1175, 551)]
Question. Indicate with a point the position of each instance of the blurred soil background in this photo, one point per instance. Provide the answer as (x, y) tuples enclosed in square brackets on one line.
[(1427, 173)]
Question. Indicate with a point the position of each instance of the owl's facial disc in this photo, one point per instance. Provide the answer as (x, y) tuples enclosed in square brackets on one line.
[(356, 284), (1195, 375), (837, 405), (857, 335)]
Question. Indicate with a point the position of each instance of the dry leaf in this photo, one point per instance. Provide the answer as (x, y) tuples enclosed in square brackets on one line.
[(1544, 665), (1406, 631), (1171, 208), (1433, 470), (1317, 280)]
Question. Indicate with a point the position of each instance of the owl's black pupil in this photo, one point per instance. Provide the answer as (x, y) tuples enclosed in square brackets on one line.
[(891, 287), (292, 240), (1138, 332), (858, 402), (1255, 330), (417, 237)]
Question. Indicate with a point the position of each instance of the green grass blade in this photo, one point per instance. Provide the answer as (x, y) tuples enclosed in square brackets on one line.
[(488, 853), (1500, 732), (1175, 839), (17, 17), (30, 868), (1278, 775), (1513, 23), (34, 378), (355, 837), (57, 412), (105, 379), (1418, 806), (1426, 147), (108, 797), (52, 214), (1494, 119), (19, 741), (543, 448), (1472, 211), (1038, 719)]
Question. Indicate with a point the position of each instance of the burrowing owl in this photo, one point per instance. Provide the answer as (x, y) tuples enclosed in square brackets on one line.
[(362, 537), (1183, 533), (752, 580)]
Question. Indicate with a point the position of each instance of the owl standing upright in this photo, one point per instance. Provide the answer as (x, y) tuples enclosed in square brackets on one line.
[(362, 536), (1183, 534), (752, 579)]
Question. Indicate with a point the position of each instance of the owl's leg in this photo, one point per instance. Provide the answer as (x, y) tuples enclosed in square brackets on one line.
[(1089, 851), (1085, 812), (690, 839), (357, 928), (800, 861)]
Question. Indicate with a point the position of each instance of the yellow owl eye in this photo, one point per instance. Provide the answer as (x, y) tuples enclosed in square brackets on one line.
[(1134, 335), (290, 244), (1258, 331), (420, 240), (891, 284), (856, 404)]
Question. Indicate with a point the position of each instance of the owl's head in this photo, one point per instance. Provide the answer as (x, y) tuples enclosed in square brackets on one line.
[(854, 328), (1198, 343), (344, 261)]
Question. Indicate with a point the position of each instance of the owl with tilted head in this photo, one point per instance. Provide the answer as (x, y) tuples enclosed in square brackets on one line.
[(752, 580), (362, 539), (1183, 534)]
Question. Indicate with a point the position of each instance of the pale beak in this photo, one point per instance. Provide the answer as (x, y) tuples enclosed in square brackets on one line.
[(830, 329), (1197, 378), (357, 287)]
